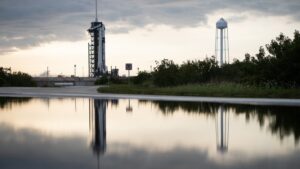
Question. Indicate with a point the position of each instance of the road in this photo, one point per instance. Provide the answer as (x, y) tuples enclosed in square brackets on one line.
[(91, 92)]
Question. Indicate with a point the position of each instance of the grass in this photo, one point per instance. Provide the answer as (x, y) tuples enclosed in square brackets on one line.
[(212, 90)]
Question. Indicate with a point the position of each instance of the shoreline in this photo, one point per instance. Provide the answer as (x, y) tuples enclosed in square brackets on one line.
[(91, 92)]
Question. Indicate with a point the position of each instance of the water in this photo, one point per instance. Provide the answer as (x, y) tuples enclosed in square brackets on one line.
[(86, 133)]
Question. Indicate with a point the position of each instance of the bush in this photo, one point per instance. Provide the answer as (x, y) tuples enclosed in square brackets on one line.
[(169, 74), (2, 82), (21, 79), (142, 77), (166, 73), (102, 80), (118, 80), (15, 79)]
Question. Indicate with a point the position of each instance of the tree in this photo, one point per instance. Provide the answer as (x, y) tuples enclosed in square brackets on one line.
[(166, 73)]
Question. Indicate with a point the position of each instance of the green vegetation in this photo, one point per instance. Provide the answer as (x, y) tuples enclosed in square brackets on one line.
[(274, 73), (280, 67), (15, 79), (107, 79), (102, 80), (214, 90)]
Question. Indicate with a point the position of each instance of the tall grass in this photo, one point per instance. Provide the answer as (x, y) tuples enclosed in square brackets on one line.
[(210, 89)]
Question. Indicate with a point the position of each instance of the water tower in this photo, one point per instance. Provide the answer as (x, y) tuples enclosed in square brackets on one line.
[(221, 42), (96, 48)]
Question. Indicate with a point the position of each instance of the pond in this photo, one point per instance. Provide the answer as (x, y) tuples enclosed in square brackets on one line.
[(110, 134)]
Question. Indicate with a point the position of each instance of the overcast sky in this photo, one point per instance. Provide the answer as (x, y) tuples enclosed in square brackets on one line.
[(53, 32)]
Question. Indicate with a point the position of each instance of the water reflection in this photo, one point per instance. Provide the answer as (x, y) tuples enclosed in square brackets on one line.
[(115, 102), (129, 109), (222, 129), (155, 135), (8, 102), (97, 111), (282, 121)]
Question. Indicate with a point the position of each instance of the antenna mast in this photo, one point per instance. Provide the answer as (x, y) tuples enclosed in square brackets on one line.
[(96, 10)]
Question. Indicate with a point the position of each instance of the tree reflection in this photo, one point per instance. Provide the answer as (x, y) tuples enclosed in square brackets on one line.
[(170, 107), (282, 121), (8, 102)]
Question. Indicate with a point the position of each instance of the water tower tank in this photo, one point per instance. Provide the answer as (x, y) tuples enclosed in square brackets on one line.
[(221, 24)]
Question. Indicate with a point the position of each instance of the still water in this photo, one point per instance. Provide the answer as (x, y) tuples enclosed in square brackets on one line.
[(87, 133)]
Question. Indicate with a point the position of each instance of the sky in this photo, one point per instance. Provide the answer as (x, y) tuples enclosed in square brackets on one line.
[(36, 34)]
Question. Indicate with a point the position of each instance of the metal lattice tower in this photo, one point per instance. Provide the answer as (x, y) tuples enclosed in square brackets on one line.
[(96, 48)]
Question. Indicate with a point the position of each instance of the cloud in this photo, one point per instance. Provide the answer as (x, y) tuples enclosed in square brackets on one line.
[(29, 23), (31, 149)]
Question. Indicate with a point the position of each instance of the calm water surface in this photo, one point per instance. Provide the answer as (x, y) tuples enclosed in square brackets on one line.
[(87, 133)]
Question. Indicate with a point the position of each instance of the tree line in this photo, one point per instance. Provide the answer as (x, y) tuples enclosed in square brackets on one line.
[(276, 65), (15, 79)]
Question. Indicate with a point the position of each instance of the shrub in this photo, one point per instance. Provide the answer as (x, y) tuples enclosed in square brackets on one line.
[(142, 77), (166, 73), (15, 79), (102, 80)]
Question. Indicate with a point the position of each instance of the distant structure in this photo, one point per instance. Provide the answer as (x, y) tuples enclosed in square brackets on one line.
[(114, 73), (222, 129), (96, 48), (221, 42)]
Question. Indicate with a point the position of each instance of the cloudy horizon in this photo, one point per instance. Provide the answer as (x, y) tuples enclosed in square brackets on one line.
[(53, 32)]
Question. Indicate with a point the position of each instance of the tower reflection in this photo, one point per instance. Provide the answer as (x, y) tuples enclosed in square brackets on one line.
[(222, 129), (97, 112), (129, 108)]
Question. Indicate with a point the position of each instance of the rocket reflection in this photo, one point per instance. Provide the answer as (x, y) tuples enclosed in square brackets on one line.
[(97, 112)]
